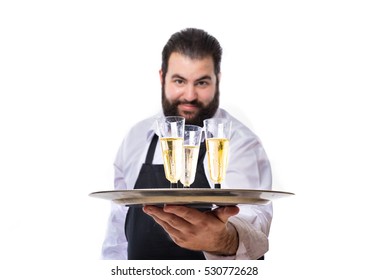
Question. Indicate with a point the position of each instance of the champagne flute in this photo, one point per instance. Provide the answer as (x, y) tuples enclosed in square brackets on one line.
[(191, 148), (217, 135), (171, 131)]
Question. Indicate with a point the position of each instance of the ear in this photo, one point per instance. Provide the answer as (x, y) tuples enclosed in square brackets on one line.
[(161, 77), (219, 76)]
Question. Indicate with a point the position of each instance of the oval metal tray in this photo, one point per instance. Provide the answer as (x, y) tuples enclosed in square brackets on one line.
[(191, 196)]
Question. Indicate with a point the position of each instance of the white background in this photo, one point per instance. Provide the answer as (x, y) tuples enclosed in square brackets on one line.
[(75, 75)]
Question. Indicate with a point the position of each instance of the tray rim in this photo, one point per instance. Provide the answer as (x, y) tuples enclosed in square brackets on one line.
[(190, 196)]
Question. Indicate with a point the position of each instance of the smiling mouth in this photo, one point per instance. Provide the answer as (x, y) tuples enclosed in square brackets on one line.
[(189, 111), (186, 106)]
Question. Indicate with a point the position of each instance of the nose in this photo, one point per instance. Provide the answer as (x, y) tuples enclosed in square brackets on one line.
[(190, 93)]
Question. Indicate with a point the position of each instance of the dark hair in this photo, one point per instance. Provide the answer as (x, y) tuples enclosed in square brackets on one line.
[(194, 43)]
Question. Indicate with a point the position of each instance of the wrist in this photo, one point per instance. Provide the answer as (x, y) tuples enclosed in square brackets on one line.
[(228, 242)]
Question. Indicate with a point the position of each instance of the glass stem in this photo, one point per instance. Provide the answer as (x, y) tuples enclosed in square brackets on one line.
[(217, 186), (174, 185)]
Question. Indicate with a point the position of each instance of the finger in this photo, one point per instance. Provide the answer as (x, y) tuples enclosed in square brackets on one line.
[(223, 213), (169, 218), (189, 214), (175, 235), (166, 226)]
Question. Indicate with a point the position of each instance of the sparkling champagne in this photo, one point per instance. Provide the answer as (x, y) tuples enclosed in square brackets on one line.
[(217, 151), (172, 149), (190, 156)]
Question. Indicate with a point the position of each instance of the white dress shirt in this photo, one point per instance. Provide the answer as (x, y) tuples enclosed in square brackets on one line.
[(248, 168)]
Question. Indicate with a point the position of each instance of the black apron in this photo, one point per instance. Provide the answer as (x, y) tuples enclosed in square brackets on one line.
[(147, 240)]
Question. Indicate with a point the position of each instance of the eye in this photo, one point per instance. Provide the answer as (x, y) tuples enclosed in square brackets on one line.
[(202, 83), (178, 81)]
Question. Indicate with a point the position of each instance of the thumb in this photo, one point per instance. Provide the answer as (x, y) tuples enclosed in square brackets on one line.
[(223, 213)]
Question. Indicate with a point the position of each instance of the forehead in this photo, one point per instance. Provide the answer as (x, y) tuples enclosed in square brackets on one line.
[(185, 65)]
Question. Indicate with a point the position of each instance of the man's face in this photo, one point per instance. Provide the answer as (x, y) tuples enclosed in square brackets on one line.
[(190, 88)]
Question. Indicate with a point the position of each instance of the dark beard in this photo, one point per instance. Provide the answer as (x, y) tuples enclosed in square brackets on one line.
[(205, 112)]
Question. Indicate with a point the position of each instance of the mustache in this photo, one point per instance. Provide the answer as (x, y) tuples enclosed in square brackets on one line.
[(185, 102)]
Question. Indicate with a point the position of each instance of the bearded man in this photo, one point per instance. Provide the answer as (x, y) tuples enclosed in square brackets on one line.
[(190, 77)]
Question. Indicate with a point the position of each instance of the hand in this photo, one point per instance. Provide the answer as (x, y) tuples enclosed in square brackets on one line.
[(195, 230)]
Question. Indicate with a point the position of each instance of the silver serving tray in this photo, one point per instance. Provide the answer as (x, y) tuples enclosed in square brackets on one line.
[(191, 196)]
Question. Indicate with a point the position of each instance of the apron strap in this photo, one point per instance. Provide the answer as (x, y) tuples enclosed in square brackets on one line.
[(152, 147)]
